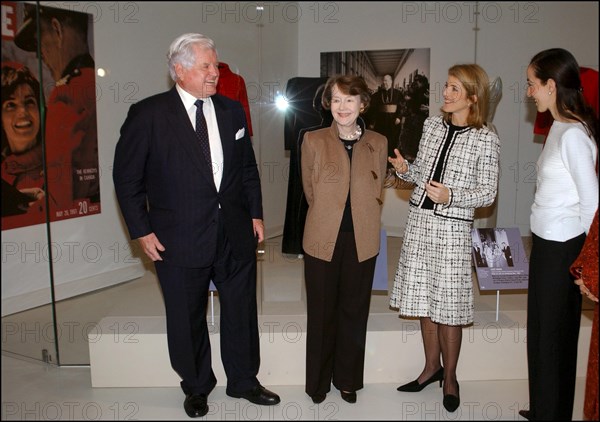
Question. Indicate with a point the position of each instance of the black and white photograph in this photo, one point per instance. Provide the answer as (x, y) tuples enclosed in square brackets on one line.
[(399, 84), (499, 258)]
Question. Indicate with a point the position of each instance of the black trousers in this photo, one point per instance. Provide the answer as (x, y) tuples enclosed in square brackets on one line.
[(185, 293), (338, 297), (553, 319)]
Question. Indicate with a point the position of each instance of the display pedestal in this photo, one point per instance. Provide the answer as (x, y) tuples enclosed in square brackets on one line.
[(132, 351)]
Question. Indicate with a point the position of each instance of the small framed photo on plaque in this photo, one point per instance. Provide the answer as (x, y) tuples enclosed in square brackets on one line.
[(499, 258)]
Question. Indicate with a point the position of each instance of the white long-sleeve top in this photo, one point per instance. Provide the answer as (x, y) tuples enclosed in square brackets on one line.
[(566, 194)]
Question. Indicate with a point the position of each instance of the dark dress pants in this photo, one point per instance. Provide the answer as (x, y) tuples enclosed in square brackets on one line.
[(553, 319), (338, 297), (185, 293)]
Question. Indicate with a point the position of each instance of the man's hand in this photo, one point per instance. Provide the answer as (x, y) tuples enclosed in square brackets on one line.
[(259, 229), (151, 246)]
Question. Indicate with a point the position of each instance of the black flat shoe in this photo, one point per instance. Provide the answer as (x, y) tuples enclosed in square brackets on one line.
[(318, 398), (349, 396), (195, 405), (451, 402), (414, 386)]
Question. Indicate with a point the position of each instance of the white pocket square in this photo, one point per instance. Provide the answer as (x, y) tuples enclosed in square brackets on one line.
[(240, 133)]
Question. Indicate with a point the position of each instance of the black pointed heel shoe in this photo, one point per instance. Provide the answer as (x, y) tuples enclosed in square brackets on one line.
[(414, 386), (451, 402), (525, 414), (349, 396)]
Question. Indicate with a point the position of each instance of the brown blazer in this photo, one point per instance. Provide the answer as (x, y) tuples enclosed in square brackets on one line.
[(326, 178)]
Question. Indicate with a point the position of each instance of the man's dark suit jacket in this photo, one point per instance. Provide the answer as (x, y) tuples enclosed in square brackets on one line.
[(164, 185)]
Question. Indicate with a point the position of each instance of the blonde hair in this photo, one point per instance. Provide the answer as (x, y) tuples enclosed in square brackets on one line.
[(477, 84)]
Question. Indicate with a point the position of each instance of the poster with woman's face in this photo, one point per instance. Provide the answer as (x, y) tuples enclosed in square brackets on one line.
[(49, 148)]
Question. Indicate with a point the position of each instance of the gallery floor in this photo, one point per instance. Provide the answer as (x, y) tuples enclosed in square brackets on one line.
[(35, 390)]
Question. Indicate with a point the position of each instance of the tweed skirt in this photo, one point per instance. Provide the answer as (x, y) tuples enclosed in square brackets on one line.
[(434, 274)]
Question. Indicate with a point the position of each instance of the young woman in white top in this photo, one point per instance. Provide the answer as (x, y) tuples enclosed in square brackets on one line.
[(565, 201)]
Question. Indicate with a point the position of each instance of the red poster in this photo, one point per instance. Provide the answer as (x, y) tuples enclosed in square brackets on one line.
[(49, 127)]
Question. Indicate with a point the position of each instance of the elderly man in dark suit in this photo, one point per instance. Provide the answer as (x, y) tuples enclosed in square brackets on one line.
[(189, 190)]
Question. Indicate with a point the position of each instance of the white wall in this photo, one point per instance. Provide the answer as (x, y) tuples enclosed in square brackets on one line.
[(268, 48), (259, 46), (509, 34)]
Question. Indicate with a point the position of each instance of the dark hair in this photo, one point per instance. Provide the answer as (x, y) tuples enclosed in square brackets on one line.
[(477, 84), (349, 85), (14, 76), (559, 65)]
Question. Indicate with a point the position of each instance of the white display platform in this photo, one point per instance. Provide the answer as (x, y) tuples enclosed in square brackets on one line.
[(132, 351)]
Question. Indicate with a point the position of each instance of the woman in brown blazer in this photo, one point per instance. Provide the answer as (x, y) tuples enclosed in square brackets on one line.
[(343, 170)]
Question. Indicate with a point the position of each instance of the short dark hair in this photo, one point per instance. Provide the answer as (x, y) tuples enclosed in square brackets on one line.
[(349, 85)]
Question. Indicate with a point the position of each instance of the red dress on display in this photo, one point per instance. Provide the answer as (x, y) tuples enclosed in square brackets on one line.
[(233, 86)]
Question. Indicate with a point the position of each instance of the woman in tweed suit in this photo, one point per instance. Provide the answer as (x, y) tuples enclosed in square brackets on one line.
[(455, 171), (343, 169)]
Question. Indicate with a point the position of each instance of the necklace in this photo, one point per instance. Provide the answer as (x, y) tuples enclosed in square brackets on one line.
[(354, 135), (349, 144)]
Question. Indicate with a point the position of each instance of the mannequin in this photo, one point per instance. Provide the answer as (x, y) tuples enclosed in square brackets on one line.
[(304, 113), (299, 92)]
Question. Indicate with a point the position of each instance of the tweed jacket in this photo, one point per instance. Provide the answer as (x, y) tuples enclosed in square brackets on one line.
[(326, 179), (470, 169)]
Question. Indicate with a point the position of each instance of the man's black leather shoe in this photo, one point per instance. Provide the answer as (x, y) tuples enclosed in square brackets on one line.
[(257, 395), (195, 405)]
